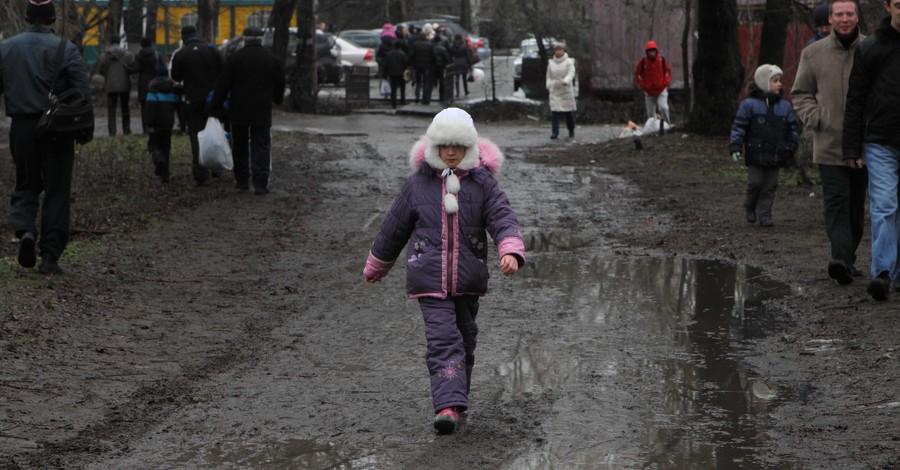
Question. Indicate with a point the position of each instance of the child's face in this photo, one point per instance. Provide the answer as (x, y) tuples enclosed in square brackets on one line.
[(451, 155), (775, 84)]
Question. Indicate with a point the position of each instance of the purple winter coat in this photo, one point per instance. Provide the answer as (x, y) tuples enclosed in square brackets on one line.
[(447, 254)]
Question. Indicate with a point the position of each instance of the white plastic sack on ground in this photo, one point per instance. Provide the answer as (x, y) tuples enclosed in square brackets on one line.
[(477, 74), (215, 152), (630, 130), (385, 88), (652, 125)]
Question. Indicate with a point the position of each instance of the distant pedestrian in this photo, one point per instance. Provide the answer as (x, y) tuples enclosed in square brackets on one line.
[(765, 129), (653, 76), (148, 62), (460, 57), (441, 62), (253, 79), (117, 65), (820, 14), (443, 214), (162, 98), (871, 139), (561, 85), (395, 65), (43, 164), (422, 58), (820, 88), (197, 65)]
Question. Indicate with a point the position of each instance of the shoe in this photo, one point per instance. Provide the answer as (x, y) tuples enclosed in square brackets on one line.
[(880, 286), (446, 421), (751, 216), (215, 174), (261, 191), (554, 136), (27, 258), (839, 271), (242, 186), (766, 222), (855, 272), (49, 265), (571, 134)]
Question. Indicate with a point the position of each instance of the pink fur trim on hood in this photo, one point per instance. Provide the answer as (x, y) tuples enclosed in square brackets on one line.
[(488, 155)]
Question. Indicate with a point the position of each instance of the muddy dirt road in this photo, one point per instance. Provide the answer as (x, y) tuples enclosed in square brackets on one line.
[(239, 334)]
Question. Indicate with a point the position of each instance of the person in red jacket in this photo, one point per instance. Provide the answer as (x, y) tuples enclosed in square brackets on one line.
[(653, 75)]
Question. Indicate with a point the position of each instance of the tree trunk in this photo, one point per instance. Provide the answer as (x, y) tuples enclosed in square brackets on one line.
[(685, 53), (282, 11), (113, 20), (152, 8), (774, 29), (134, 22), (304, 82), (717, 68), (207, 10)]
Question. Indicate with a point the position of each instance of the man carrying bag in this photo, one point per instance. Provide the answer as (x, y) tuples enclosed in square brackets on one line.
[(43, 164)]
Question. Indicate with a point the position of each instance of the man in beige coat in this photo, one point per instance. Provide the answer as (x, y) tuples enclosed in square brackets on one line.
[(819, 94)]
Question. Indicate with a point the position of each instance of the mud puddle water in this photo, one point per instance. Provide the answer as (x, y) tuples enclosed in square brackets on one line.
[(644, 362)]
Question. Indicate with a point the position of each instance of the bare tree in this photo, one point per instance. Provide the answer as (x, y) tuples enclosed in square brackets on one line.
[(280, 21), (685, 52), (207, 12), (717, 68), (304, 82), (113, 20), (776, 18)]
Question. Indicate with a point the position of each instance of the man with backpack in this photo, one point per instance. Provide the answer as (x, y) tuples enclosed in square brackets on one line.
[(653, 75)]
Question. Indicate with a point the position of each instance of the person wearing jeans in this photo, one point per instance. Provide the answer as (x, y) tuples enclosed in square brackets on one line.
[(870, 139)]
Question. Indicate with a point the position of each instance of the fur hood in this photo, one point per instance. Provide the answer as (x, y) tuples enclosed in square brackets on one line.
[(484, 154)]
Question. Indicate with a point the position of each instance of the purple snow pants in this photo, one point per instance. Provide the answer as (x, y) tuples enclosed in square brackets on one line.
[(450, 332)]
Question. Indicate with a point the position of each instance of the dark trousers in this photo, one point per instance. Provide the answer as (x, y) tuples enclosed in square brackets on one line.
[(762, 181), (196, 122), (844, 198), (461, 77), (144, 127), (397, 84), (159, 143), (42, 165), (252, 151), (554, 122), (450, 333), (122, 99), (439, 79), (423, 84)]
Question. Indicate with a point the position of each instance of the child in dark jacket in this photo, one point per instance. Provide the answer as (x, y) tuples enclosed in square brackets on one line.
[(162, 99), (766, 128), (443, 215)]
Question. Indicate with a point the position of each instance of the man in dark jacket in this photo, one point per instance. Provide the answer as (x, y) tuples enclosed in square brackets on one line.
[(422, 57), (197, 65), (116, 66), (252, 80), (395, 63), (42, 164), (871, 139)]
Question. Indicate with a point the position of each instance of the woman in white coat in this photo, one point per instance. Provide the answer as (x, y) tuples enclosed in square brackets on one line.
[(561, 85)]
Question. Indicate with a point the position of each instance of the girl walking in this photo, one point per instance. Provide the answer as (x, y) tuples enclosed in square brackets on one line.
[(443, 214)]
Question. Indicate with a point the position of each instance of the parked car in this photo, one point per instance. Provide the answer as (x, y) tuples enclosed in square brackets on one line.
[(355, 56), (328, 53), (480, 44), (528, 48), (370, 38)]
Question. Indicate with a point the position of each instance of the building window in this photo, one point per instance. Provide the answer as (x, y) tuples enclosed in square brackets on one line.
[(259, 19)]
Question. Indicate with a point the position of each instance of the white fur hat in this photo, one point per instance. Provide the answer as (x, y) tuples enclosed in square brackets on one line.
[(452, 126), (763, 74)]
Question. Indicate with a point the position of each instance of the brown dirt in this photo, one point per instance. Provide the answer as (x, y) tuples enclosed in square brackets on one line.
[(93, 359)]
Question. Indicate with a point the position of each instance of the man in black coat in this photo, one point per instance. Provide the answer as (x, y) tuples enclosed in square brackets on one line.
[(252, 80), (197, 65)]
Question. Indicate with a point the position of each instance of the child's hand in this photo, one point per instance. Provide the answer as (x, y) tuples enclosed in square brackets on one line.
[(509, 265), (735, 156)]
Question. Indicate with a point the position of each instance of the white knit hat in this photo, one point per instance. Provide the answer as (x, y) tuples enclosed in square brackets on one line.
[(763, 74)]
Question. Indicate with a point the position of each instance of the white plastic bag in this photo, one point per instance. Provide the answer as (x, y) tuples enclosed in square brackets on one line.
[(385, 88), (215, 151), (652, 125), (477, 74)]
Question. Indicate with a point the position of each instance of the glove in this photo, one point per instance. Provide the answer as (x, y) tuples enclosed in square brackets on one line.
[(735, 156)]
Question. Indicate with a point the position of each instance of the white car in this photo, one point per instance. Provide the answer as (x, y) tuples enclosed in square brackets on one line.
[(528, 49), (353, 56)]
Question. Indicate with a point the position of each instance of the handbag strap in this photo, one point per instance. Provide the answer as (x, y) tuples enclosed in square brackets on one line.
[(58, 63)]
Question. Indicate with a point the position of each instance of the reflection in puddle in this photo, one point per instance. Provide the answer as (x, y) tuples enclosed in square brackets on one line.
[(665, 334), (293, 453)]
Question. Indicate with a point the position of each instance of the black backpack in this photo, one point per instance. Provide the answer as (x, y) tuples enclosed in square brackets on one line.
[(69, 115)]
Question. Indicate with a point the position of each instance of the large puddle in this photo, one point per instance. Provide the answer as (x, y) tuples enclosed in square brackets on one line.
[(664, 334)]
